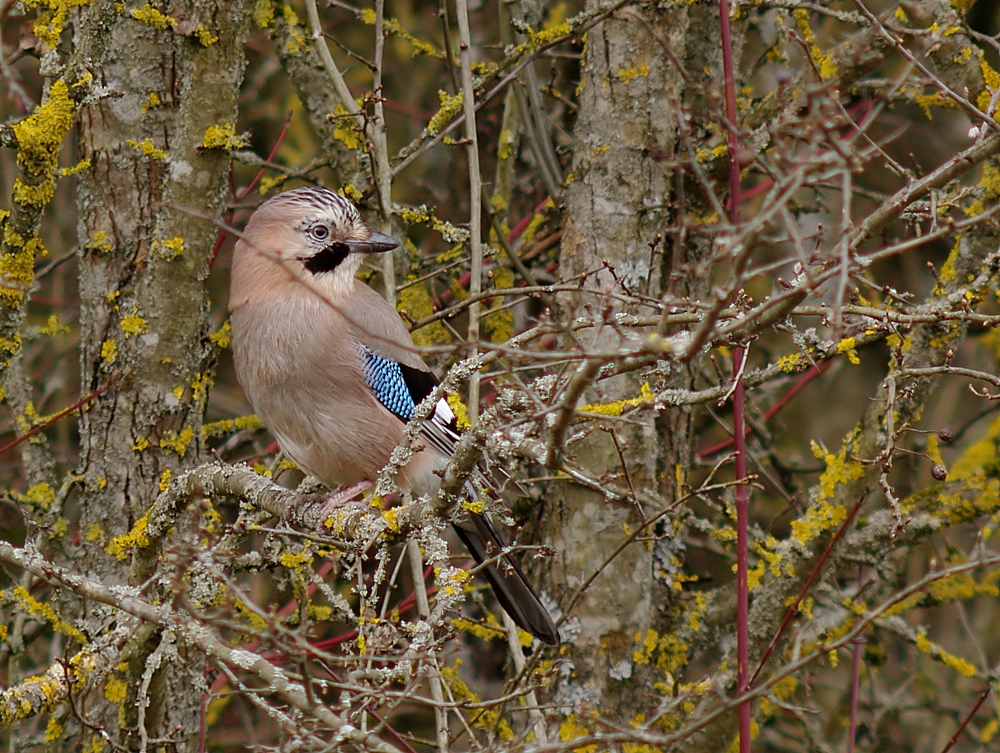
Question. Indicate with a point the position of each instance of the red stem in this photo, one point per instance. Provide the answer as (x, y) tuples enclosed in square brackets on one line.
[(64, 412), (521, 226), (246, 191), (794, 608), (814, 371), (965, 722), (274, 150)]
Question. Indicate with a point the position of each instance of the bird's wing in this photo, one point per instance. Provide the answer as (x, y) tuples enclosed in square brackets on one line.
[(394, 371), (401, 388)]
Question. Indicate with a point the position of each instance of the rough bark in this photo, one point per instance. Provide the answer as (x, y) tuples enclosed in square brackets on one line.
[(159, 163), (615, 207)]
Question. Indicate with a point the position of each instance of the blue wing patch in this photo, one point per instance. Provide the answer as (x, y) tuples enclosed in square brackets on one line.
[(385, 377)]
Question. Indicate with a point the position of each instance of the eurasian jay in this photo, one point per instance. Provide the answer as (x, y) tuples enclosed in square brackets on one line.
[(330, 368)]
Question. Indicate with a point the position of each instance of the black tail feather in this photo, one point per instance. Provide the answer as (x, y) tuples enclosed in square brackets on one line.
[(510, 585)]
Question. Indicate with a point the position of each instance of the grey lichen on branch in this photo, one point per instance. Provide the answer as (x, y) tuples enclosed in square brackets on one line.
[(185, 630)]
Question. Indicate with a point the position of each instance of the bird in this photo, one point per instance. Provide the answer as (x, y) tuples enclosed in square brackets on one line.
[(331, 370)]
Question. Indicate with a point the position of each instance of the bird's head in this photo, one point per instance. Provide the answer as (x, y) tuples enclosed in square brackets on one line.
[(307, 235)]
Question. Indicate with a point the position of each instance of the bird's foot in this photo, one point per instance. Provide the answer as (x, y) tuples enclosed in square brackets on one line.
[(312, 510), (345, 494)]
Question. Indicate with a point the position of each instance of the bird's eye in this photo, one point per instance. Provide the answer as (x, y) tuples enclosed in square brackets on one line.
[(319, 232)]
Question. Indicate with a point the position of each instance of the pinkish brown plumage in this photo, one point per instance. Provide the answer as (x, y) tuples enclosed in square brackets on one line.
[(331, 369)]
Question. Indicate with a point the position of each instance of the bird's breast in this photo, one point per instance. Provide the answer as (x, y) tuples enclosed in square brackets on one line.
[(301, 372)]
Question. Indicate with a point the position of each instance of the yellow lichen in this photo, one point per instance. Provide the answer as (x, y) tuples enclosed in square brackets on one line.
[(990, 76), (391, 517), (296, 41), (570, 729), (416, 303), (789, 363), (39, 139), (821, 515), (41, 496), (296, 560), (221, 338), (459, 409), (823, 61), (228, 426), (478, 630), (646, 395), (947, 658), (625, 75), (137, 538), (848, 345), (927, 102), (552, 32), (267, 183), (450, 107), (79, 167), (351, 192), (17, 269), (100, 242), (147, 148), (536, 222), (668, 651), (489, 719), (134, 325), (178, 442), (115, 689), (345, 129), (989, 731), (222, 137), (413, 216), (200, 386), (150, 16), (498, 324), (170, 248), (990, 185), (263, 14), (783, 690), (52, 17), (205, 37), (476, 507), (109, 351), (45, 612), (320, 612), (9, 347), (52, 327), (53, 730), (394, 27), (153, 100)]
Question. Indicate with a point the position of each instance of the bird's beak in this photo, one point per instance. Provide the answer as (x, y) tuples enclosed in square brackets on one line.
[(376, 243)]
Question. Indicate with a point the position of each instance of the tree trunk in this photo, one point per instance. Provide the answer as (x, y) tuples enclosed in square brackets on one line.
[(146, 207), (622, 197)]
